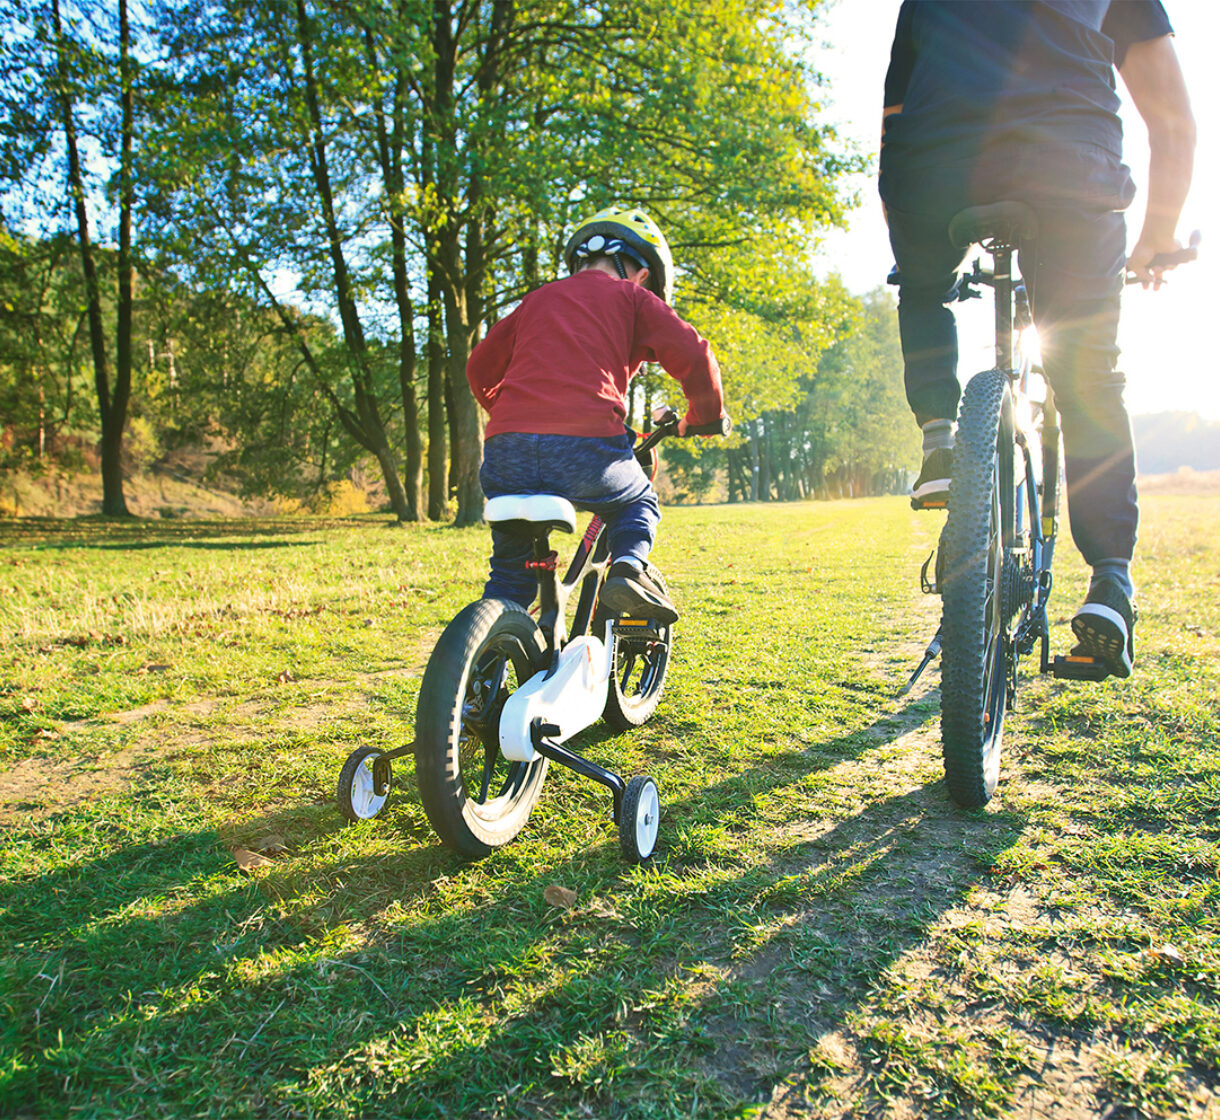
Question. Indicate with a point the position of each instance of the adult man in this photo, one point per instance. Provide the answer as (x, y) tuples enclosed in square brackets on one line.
[(1015, 99)]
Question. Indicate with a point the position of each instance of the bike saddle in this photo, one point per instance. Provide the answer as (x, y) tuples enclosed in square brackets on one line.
[(531, 513), (1007, 223)]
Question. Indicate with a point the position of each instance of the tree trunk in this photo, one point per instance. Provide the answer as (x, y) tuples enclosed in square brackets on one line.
[(113, 503), (764, 461), (467, 435), (438, 440), (367, 409), (112, 419), (755, 469), (390, 144)]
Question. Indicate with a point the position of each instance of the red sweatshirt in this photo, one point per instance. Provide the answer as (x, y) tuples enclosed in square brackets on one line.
[(560, 363)]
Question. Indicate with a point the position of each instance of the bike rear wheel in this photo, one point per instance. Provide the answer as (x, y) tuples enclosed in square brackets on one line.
[(475, 799), (974, 655)]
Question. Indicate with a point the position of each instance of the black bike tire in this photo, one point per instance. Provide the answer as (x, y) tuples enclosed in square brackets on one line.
[(623, 712), (974, 670), (462, 823)]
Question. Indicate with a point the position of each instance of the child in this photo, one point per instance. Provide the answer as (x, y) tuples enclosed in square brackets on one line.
[(553, 376)]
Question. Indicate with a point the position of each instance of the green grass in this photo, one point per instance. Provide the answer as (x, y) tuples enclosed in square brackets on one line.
[(821, 934)]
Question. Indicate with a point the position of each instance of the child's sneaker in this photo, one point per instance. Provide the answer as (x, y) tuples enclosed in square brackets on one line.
[(1104, 626), (931, 489), (632, 592)]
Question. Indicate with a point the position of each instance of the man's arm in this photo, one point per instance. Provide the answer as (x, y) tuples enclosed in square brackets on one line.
[(1154, 79)]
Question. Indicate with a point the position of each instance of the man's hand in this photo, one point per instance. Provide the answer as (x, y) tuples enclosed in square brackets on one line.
[(1139, 263)]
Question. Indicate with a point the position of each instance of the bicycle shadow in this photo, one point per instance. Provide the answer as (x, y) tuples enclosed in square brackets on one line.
[(816, 893)]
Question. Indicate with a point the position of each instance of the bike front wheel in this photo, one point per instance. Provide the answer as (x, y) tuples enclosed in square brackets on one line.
[(638, 676), (974, 654), (475, 799)]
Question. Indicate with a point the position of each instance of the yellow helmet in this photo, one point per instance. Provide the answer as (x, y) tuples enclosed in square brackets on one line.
[(631, 233)]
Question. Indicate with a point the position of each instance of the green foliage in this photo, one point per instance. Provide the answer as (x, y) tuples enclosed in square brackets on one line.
[(310, 176)]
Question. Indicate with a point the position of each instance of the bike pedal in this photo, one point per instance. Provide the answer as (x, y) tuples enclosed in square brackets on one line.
[(637, 628), (1077, 668), (923, 503)]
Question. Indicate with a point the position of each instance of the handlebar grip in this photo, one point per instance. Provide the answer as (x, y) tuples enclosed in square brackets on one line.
[(1164, 260), (721, 427), (1181, 256)]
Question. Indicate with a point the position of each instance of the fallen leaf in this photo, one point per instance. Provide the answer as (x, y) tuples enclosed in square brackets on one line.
[(150, 668), (271, 845), (28, 704), (286, 677), (46, 733), (248, 860), (559, 897), (1167, 954)]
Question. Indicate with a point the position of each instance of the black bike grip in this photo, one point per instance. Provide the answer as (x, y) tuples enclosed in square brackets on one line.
[(1181, 256), (720, 427)]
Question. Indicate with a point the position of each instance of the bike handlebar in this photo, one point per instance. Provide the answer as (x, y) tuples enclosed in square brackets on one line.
[(667, 425), (1181, 256)]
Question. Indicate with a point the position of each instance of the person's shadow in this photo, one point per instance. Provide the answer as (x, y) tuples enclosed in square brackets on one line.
[(263, 976)]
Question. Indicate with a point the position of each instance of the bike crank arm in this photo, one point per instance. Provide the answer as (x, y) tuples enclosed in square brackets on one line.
[(556, 752)]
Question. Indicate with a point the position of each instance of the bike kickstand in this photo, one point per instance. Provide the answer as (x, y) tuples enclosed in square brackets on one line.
[(928, 657)]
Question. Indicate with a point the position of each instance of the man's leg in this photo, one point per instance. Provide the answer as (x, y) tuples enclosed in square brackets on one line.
[(1076, 289), (927, 270)]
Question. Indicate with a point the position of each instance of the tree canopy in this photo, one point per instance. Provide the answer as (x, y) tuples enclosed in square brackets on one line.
[(327, 203)]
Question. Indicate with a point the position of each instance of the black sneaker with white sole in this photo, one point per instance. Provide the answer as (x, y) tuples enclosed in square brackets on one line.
[(1104, 627), (632, 592), (931, 489)]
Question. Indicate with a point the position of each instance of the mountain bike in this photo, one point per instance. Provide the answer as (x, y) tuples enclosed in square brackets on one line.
[(503, 692), (993, 561)]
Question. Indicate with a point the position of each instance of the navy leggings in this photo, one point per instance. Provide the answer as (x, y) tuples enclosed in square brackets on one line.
[(1074, 274), (596, 474)]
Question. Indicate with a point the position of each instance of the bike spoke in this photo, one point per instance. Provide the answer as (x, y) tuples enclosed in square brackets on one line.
[(490, 751)]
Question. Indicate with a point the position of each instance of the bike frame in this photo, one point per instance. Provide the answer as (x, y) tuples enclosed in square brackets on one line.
[(1030, 528)]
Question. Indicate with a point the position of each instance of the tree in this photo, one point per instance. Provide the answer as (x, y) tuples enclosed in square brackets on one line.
[(68, 102)]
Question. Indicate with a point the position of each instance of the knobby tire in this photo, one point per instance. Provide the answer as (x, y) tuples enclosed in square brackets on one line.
[(476, 800), (974, 670)]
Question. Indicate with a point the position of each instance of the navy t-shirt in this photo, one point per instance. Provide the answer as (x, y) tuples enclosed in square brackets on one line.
[(974, 74)]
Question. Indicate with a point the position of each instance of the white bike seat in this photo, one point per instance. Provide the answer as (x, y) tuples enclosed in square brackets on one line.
[(543, 511)]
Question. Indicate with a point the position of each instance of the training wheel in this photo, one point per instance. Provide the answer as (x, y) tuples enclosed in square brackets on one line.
[(357, 793), (639, 819)]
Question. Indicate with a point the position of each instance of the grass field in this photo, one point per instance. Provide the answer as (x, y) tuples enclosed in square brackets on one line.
[(821, 935)]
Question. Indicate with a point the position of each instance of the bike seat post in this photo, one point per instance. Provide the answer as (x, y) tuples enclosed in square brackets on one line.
[(545, 566)]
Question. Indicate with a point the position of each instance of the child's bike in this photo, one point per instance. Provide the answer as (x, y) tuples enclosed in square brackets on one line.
[(502, 692), (993, 563)]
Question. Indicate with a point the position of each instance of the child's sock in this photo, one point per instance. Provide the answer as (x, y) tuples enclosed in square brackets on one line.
[(634, 561), (1117, 569)]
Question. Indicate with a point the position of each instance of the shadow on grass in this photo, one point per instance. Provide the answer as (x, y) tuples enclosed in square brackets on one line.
[(63, 533), (246, 992)]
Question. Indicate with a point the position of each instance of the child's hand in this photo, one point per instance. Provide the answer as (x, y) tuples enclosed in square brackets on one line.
[(663, 414)]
